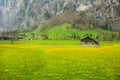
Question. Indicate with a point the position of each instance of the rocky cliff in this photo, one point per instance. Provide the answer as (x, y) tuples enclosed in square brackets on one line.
[(24, 14)]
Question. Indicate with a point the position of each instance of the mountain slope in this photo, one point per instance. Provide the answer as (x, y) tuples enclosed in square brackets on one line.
[(25, 14)]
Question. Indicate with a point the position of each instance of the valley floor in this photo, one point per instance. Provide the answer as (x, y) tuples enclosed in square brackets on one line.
[(59, 60)]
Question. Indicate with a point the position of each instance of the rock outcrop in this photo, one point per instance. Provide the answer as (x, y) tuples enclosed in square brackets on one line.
[(24, 14)]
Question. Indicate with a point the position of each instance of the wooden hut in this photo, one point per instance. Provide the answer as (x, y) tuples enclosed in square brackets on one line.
[(89, 41)]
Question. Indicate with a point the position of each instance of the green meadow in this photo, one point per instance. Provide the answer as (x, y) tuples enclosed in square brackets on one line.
[(66, 31), (59, 60)]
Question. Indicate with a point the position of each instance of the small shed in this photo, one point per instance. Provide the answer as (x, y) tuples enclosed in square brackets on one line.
[(89, 41), (1, 37)]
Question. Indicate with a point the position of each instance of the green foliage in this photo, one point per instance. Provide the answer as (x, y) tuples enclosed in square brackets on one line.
[(65, 31), (36, 33), (66, 8), (109, 35), (47, 15), (105, 27)]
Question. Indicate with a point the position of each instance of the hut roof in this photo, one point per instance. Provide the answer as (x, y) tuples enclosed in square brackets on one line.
[(89, 39)]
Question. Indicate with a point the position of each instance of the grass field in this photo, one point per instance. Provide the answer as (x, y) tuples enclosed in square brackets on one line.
[(59, 60)]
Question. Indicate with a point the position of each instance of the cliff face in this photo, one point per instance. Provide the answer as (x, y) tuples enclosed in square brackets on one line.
[(22, 14), (108, 11)]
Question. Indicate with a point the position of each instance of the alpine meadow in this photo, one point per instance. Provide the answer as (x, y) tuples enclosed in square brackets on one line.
[(59, 60), (59, 39)]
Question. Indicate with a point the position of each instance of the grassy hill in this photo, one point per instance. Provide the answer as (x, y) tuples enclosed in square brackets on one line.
[(66, 31), (71, 25)]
